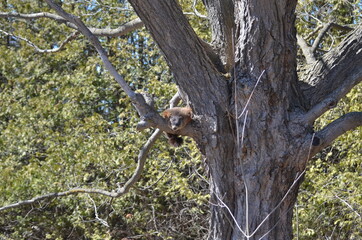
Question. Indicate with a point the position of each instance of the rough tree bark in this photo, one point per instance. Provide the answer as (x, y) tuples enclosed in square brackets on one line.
[(256, 128)]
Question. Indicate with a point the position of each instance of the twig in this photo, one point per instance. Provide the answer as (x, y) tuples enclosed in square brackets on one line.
[(102, 221), (348, 205), (38, 49), (251, 94)]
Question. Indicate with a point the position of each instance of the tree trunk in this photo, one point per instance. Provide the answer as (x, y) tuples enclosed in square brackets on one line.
[(255, 160)]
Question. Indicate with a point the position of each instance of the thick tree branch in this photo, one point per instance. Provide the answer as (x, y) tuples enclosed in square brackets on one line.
[(335, 129), (334, 75), (318, 110), (122, 30), (183, 50)]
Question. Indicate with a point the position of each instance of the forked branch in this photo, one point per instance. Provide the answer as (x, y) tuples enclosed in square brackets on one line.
[(309, 52), (337, 72)]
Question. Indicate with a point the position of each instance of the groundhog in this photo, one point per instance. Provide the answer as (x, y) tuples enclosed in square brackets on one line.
[(178, 118)]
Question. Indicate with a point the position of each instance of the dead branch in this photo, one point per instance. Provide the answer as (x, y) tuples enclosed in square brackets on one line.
[(114, 194)]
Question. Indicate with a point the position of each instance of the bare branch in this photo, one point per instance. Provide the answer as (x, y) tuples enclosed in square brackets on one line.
[(320, 36), (32, 16), (309, 51), (38, 49), (102, 221), (114, 194), (140, 164), (323, 31), (314, 32), (138, 101), (335, 129), (55, 195), (122, 30), (142, 156)]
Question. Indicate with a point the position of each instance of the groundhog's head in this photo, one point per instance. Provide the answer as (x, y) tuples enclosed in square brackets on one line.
[(177, 122), (177, 117)]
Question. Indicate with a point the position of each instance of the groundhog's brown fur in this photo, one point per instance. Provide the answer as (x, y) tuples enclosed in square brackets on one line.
[(178, 118)]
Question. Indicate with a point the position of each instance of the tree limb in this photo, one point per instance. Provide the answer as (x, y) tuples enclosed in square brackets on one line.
[(114, 194), (122, 30), (183, 50), (222, 28), (335, 129), (318, 110), (309, 51), (334, 75)]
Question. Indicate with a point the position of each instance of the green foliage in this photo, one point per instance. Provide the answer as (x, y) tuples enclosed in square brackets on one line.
[(64, 123)]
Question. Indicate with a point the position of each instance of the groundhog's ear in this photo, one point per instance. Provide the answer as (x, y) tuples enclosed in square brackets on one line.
[(166, 114)]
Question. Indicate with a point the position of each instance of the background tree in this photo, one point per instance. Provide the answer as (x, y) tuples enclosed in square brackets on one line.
[(253, 118)]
